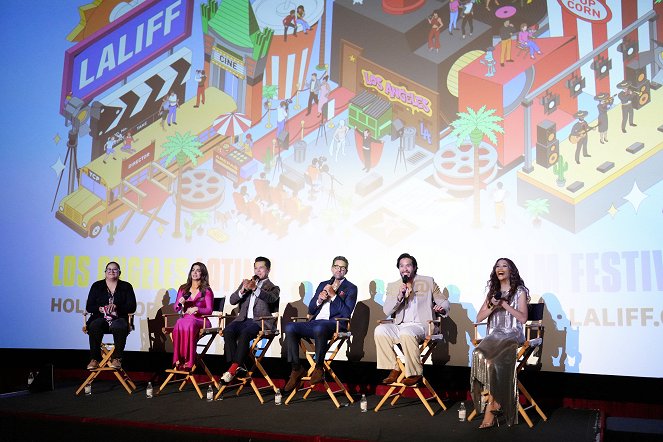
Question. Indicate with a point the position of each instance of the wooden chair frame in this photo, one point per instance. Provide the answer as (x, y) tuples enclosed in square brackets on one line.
[(107, 351), (534, 331), (426, 349), (334, 345), (184, 376), (267, 335)]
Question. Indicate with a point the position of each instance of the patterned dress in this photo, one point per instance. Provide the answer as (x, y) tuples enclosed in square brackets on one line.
[(494, 360)]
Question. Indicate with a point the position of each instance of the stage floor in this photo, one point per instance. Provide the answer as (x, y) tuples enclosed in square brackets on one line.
[(111, 414)]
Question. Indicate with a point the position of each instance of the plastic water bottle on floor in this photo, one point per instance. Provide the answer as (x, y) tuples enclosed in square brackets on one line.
[(462, 412), (363, 404), (149, 392), (88, 389), (277, 397), (210, 394), (31, 378)]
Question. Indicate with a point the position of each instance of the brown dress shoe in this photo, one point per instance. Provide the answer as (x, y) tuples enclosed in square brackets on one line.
[(93, 364), (393, 377), (115, 363), (295, 378), (412, 380), (317, 376)]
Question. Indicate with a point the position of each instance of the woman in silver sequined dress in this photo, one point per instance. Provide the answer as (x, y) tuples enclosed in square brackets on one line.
[(493, 372)]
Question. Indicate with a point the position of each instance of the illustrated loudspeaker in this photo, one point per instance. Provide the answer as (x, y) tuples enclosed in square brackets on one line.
[(547, 154), (635, 73), (546, 132), (643, 92)]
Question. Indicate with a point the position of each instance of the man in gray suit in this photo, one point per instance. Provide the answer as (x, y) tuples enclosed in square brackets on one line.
[(411, 301), (256, 297)]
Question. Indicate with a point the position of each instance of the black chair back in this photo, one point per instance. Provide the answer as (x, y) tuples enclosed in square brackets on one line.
[(218, 304), (274, 307), (535, 311)]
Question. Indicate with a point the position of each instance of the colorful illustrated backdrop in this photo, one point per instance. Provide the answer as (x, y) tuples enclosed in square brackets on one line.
[(155, 133)]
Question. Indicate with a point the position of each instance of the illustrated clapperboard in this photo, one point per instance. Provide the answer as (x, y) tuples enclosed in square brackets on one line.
[(137, 103)]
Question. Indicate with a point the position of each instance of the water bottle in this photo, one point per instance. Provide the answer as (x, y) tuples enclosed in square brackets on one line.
[(148, 391), (31, 378), (88, 389), (210, 394), (363, 404), (462, 412), (277, 397)]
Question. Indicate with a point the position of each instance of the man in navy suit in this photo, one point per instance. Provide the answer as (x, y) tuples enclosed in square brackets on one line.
[(335, 298)]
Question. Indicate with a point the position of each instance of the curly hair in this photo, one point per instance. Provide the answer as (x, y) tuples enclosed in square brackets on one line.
[(204, 279), (493, 285)]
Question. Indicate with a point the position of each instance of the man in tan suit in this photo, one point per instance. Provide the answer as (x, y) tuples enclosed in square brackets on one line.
[(411, 302)]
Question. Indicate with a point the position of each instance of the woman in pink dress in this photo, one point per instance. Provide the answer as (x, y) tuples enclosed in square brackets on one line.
[(194, 300)]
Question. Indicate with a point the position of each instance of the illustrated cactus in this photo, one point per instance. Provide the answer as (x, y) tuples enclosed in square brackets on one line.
[(111, 228), (560, 169)]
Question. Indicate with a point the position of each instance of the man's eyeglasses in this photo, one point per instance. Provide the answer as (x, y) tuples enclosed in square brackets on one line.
[(342, 268)]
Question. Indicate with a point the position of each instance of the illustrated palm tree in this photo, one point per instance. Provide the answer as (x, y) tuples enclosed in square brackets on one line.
[(181, 148), (537, 207), (476, 125), (269, 92), (199, 219)]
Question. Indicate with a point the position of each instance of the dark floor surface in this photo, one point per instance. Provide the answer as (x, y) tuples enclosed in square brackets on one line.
[(111, 414)]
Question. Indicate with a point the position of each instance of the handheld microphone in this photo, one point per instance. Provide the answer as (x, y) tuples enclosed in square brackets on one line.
[(405, 279), (330, 282), (186, 298), (255, 278)]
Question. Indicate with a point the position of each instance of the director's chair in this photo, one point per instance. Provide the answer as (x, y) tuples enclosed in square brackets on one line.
[(333, 346), (206, 337), (426, 350), (534, 331), (258, 351), (107, 350)]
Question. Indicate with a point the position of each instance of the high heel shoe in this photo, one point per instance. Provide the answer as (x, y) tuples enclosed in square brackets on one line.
[(499, 417), (490, 424)]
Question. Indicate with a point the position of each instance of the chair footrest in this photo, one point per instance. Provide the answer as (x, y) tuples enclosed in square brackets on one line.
[(176, 371), (419, 384)]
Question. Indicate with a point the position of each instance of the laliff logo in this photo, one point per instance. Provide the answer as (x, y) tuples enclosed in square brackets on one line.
[(594, 11)]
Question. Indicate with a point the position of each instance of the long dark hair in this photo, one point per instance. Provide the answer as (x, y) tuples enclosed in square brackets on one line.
[(493, 285), (204, 279)]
